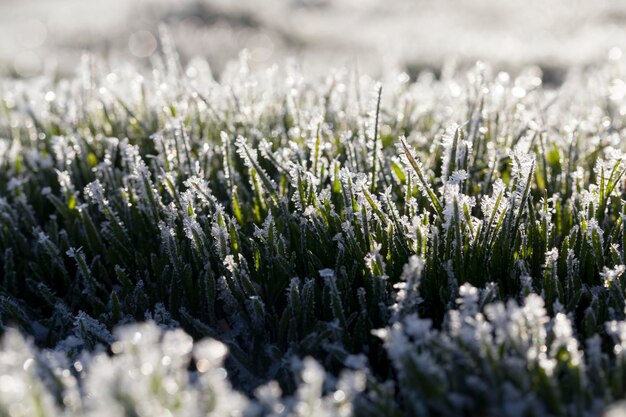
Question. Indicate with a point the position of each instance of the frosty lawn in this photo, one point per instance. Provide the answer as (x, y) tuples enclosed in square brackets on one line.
[(437, 247)]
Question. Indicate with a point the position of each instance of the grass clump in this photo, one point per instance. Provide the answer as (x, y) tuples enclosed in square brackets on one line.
[(457, 243)]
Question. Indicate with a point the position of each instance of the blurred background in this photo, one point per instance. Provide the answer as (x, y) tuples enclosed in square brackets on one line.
[(374, 35)]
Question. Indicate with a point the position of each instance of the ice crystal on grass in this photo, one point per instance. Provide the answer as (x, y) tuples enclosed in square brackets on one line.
[(148, 373), (286, 218), (516, 335)]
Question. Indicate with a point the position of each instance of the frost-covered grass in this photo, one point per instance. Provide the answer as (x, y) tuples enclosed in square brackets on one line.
[(438, 247)]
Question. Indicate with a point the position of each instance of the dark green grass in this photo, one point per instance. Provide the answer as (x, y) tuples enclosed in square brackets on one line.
[(277, 215)]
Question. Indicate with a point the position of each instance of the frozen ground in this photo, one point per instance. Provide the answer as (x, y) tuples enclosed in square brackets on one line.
[(39, 34)]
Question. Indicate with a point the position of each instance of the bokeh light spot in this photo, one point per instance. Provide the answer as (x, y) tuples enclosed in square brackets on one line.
[(142, 44)]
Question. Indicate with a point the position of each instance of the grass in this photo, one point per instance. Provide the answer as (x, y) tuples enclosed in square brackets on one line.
[(451, 247)]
